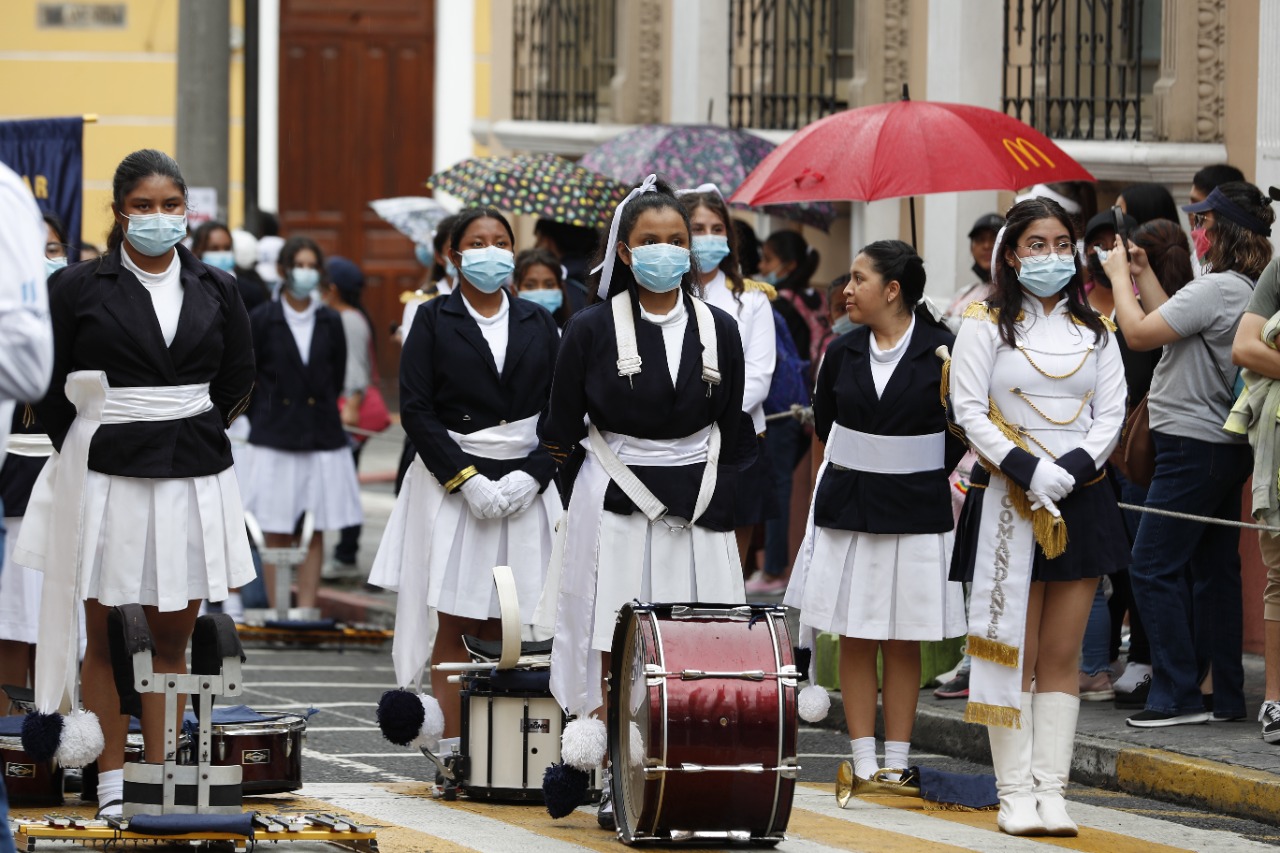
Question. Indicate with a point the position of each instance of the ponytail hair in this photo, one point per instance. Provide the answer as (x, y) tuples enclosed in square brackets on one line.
[(790, 247), (133, 170), (895, 260)]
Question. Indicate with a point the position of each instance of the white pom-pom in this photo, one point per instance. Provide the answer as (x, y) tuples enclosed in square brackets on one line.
[(81, 740), (582, 745), (636, 746), (432, 724), (813, 703)]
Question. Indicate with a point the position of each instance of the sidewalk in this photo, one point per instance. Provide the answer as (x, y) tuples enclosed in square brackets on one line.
[(1224, 767)]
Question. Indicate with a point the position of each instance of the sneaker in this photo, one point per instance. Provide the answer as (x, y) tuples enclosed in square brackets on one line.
[(1132, 676), (1269, 716), (956, 688), (763, 584), (1096, 688), (604, 816), (1160, 719), (1136, 698), (334, 570)]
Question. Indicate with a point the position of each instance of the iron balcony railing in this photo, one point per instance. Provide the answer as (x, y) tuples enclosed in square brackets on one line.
[(564, 59)]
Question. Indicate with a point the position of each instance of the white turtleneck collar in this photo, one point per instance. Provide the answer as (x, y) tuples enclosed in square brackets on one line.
[(885, 361), (673, 324)]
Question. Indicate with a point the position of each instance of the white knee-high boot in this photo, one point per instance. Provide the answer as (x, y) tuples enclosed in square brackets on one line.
[(1053, 738), (1011, 756)]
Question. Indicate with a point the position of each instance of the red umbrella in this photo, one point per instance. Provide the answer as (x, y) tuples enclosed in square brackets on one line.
[(907, 148)]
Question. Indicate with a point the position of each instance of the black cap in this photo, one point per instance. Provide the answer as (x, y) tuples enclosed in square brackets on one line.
[(992, 222), (1106, 220)]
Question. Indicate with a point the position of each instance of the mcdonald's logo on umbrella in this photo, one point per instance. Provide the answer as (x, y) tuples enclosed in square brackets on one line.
[(1026, 153)]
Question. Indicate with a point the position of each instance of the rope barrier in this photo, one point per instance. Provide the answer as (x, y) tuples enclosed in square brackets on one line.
[(1202, 519)]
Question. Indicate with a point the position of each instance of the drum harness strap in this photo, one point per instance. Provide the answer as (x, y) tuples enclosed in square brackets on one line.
[(629, 364)]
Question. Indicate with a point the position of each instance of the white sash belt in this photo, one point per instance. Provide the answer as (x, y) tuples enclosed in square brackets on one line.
[(514, 440), (615, 451), (29, 444), (96, 403), (886, 454)]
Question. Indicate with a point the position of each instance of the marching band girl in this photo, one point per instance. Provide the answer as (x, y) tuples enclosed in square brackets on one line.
[(298, 457), (873, 568), (1037, 385), (715, 250), (475, 375), (659, 375), (153, 360)]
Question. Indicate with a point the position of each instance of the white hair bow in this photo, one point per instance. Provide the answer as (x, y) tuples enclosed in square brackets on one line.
[(648, 185), (702, 188)]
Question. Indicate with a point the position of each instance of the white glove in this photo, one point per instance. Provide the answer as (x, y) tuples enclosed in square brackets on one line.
[(484, 497), (1038, 502), (1050, 482), (520, 489)]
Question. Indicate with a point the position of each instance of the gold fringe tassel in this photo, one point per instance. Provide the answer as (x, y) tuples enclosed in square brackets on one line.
[(1050, 530), (992, 650), (993, 715)]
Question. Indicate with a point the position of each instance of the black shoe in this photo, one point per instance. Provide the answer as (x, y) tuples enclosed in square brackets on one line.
[(1269, 716), (1160, 719), (604, 816), (956, 688), (1135, 699)]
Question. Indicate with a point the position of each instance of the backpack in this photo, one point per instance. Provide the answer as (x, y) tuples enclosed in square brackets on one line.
[(790, 384), (816, 319)]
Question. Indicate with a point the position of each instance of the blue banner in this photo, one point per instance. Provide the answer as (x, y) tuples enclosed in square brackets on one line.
[(47, 153)]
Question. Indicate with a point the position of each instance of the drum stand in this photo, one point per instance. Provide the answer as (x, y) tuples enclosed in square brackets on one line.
[(216, 656), (285, 560)]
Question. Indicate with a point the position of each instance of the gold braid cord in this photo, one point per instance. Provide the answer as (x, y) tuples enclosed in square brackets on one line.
[(1050, 531)]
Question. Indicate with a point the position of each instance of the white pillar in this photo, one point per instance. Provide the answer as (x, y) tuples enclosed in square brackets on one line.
[(269, 105), (964, 66), (1267, 167), (455, 92), (700, 36)]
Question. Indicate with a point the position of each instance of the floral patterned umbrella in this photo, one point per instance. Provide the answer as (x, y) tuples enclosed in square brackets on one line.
[(547, 186), (688, 155)]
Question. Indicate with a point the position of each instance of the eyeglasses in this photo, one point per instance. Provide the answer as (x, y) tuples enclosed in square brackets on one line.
[(1041, 249), (55, 250), (1200, 220)]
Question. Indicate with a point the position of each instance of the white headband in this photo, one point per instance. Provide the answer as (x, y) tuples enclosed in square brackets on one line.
[(1042, 191), (649, 185), (702, 188)]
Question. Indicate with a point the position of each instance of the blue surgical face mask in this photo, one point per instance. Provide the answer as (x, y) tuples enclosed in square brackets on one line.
[(843, 325), (710, 250), (659, 267), (426, 255), (488, 269), (450, 271), (303, 280), (52, 265), (221, 260), (1048, 275), (153, 234), (770, 278), (549, 299)]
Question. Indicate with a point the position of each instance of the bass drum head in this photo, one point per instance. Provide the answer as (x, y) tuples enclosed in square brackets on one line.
[(630, 722)]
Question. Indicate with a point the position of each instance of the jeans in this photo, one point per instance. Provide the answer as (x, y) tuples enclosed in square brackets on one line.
[(1191, 631), (1095, 656), (254, 593), (1122, 589), (786, 446)]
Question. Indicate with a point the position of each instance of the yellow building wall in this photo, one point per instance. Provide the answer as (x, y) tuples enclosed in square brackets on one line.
[(483, 67), (128, 77)]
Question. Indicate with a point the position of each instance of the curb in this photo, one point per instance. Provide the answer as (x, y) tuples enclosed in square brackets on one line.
[(356, 608), (1105, 763)]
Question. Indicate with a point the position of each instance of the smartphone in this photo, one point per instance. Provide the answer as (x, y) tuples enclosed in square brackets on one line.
[(1122, 230)]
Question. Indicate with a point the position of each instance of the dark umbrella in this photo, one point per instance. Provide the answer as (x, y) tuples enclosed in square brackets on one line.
[(692, 154), (545, 186)]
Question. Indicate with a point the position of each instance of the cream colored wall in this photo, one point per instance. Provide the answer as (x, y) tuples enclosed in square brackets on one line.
[(1240, 118), (128, 77)]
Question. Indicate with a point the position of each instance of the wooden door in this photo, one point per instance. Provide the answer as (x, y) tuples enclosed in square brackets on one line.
[(356, 113)]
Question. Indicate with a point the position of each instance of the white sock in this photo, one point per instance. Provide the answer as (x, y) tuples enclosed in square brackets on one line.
[(111, 789), (1133, 675), (864, 757), (896, 754), (233, 605)]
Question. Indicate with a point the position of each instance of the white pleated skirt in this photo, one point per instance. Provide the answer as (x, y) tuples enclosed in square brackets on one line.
[(19, 592), (438, 556), (604, 560), (280, 485), (878, 586), (157, 542)]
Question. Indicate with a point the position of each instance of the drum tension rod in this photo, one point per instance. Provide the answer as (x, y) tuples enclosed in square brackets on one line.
[(654, 671)]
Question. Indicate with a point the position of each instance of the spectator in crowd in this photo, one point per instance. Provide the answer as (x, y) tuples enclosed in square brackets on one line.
[(1210, 177), (1199, 468), (788, 262), (244, 250), (748, 248), (89, 252), (572, 246), (540, 279), (982, 239), (1100, 233), (1145, 202)]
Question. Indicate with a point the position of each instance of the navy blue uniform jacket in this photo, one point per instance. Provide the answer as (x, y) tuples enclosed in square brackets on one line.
[(103, 319), (449, 381), (295, 405), (846, 394), (648, 406)]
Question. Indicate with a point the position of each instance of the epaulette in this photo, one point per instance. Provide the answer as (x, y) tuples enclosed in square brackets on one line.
[(981, 311), (416, 296), (750, 284), (1107, 322)]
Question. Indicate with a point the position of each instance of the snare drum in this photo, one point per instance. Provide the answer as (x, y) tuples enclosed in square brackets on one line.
[(29, 783), (702, 723), (270, 752)]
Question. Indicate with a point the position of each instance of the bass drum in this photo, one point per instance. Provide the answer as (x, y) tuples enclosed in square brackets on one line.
[(29, 782), (702, 723)]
